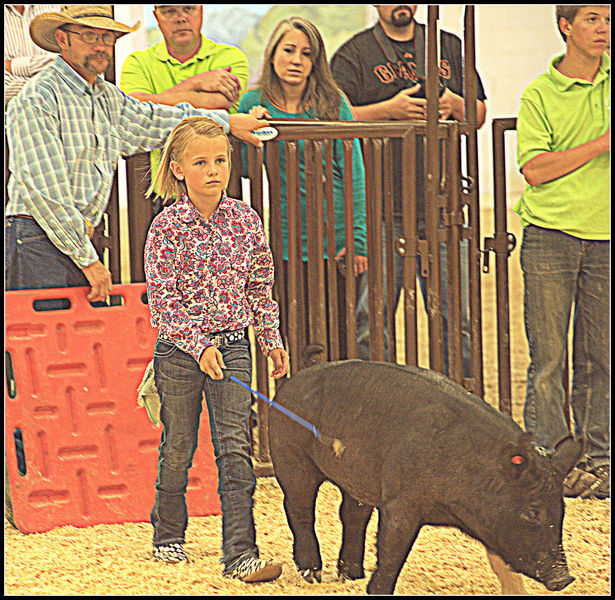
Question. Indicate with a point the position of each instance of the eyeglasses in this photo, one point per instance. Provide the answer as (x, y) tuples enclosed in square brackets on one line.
[(91, 38), (172, 12)]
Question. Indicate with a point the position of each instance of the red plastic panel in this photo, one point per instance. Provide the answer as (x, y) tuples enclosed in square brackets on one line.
[(91, 453)]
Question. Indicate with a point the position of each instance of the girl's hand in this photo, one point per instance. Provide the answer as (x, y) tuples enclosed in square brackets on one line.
[(212, 363), (280, 359), (259, 112)]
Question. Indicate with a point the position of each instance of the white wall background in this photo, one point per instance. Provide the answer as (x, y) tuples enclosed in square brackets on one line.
[(514, 44)]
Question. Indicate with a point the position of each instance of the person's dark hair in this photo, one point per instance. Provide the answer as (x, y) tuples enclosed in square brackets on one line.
[(321, 93)]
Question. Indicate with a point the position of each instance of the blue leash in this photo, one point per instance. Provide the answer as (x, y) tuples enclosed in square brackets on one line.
[(338, 447), (309, 426)]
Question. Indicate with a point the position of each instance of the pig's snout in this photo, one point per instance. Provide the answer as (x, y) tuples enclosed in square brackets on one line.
[(556, 576), (559, 583)]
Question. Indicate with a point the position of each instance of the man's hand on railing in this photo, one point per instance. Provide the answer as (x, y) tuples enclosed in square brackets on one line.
[(243, 125)]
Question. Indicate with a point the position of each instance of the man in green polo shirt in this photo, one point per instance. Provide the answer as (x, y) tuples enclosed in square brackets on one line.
[(185, 66), (563, 133)]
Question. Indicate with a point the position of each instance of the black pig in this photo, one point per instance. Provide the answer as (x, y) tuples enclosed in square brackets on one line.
[(425, 451)]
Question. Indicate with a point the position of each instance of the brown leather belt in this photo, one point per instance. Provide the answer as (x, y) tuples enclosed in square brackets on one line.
[(88, 223)]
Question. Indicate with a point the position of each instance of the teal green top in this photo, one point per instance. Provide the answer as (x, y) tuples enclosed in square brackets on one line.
[(253, 98), (154, 70), (558, 113)]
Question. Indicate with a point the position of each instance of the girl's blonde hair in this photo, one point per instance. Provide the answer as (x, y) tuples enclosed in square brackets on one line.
[(321, 93), (165, 184)]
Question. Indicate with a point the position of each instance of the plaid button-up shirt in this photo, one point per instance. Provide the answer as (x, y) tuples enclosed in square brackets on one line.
[(65, 137), (210, 275)]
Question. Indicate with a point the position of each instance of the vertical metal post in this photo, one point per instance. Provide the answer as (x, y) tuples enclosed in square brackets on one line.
[(295, 323), (409, 249), (470, 87), (432, 167), (376, 294), (501, 266), (333, 292), (314, 217), (351, 303)]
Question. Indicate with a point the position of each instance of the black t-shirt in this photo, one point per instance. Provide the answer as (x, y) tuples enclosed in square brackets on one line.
[(371, 67)]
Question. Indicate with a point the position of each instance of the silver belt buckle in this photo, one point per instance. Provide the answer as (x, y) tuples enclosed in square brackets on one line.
[(234, 336), (217, 340)]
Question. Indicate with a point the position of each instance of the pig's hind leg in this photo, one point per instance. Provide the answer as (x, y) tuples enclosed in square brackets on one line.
[(355, 517), (300, 480)]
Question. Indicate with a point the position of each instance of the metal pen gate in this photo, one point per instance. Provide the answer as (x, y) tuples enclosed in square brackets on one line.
[(308, 291)]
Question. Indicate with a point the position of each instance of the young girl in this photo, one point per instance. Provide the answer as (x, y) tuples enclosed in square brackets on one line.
[(297, 83), (209, 275)]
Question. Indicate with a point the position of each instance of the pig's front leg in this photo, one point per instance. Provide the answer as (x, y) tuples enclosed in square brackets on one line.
[(397, 530), (355, 517), (300, 479), (511, 582)]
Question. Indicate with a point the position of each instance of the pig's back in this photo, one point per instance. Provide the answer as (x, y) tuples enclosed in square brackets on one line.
[(379, 401)]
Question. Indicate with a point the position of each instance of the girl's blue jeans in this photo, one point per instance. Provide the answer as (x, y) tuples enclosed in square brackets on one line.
[(561, 271), (181, 384)]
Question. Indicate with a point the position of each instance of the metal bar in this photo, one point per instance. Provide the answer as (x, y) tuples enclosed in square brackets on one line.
[(316, 307), (409, 248), (275, 232), (294, 273), (333, 316), (453, 276), (434, 300), (389, 244), (351, 302), (234, 189), (255, 173), (499, 127), (373, 197), (474, 212), (140, 211)]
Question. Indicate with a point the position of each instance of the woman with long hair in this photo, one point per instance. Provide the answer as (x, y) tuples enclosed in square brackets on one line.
[(296, 83)]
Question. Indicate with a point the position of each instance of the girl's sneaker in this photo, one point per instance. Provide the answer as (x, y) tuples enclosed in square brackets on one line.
[(170, 553), (254, 570)]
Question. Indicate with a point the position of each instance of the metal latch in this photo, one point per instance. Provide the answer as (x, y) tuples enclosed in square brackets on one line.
[(500, 244)]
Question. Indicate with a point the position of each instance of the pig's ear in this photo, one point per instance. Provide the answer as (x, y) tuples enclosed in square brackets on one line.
[(566, 455), (515, 457)]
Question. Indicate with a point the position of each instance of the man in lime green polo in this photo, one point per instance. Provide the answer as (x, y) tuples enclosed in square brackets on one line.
[(185, 66), (563, 133)]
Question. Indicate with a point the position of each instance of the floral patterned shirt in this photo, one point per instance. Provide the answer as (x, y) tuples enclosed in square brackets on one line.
[(210, 275)]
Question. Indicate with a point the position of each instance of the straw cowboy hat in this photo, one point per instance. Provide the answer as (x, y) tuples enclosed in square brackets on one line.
[(43, 27)]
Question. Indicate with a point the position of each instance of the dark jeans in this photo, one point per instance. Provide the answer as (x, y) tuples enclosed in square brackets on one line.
[(181, 383), (31, 261), (560, 270), (363, 303)]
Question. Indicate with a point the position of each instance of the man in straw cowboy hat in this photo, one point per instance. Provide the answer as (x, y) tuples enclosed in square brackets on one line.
[(66, 130)]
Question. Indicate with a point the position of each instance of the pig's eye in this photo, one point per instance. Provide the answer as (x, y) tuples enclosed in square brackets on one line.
[(532, 515)]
